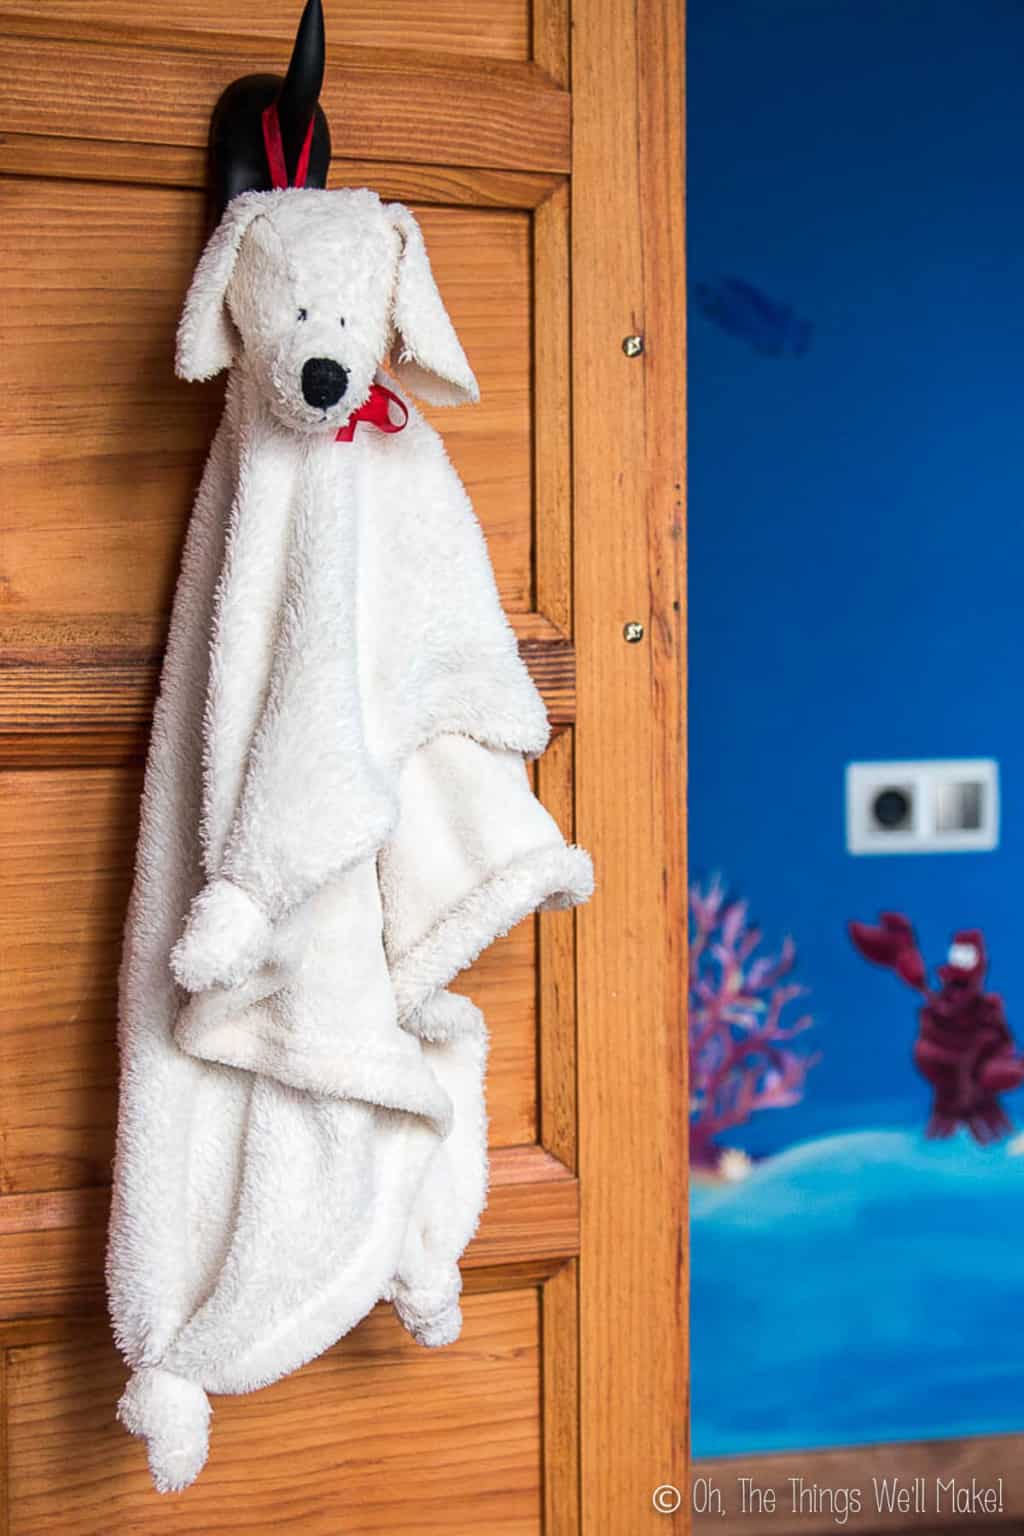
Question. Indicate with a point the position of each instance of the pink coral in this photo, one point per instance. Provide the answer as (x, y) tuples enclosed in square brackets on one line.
[(740, 1060)]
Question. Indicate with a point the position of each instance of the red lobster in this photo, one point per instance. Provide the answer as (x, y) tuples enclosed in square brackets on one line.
[(964, 1047)]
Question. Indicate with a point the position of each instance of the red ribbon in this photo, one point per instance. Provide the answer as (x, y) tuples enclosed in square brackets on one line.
[(376, 411), (274, 146)]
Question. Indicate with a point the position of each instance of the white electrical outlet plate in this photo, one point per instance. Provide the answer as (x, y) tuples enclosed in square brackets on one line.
[(947, 805)]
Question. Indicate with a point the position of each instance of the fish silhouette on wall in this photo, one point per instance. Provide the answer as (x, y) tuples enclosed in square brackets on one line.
[(771, 329)]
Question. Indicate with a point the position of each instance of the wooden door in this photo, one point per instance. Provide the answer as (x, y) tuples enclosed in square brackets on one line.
[(563, 1406)]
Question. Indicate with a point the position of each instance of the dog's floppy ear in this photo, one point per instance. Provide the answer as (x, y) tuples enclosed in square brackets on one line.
[(427, 356), (206, 336)]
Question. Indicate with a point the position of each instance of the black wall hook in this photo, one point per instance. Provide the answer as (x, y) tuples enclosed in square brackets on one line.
[(238, 160)]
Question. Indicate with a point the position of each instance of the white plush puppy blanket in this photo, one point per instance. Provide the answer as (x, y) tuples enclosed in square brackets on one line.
[(336, 820)]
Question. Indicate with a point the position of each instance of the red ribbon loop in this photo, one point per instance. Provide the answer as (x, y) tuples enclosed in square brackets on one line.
[(274, 146), (377, 411)]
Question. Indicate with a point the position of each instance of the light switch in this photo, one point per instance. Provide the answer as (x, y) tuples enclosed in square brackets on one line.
[(938, 806)]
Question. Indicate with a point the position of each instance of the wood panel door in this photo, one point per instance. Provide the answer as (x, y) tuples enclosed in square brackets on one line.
[(563, 1406)]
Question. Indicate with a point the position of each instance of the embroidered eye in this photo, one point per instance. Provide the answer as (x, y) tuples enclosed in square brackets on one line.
[(343, 319), (303, 314)]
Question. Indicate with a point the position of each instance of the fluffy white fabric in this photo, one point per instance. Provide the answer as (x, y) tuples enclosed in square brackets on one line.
[(336, 820)]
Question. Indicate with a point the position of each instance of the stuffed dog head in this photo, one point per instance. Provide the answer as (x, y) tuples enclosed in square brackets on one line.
[(315, 290)]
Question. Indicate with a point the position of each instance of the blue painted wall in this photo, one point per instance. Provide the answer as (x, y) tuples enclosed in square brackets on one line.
[(857, 513)]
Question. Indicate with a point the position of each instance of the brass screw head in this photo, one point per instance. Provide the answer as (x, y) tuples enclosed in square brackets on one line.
[(633, 346), (633, 632)]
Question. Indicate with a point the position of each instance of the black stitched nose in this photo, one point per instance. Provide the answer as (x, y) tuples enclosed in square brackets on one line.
[(323, 382)]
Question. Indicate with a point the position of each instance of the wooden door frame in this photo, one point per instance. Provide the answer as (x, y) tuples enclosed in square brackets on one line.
[(628, 278)]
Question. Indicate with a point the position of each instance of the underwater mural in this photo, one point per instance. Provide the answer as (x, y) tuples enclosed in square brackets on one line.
[(850, 1287), (741, 1057), (855, 546), (741, 309)]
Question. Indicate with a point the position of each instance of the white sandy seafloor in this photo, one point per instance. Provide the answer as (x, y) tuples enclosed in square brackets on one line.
[(857, 1288)]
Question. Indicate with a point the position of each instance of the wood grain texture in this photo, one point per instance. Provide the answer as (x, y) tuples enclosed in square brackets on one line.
[(439, 110), (415, 1440), (89, 700), (480, 254), (37, 156), (629, 446), (550, 28), (497, 29), (552, 438), (68, 842), (514, 1275), (5, 1510), (68, 839), (561, 1402), (52, 1244), (556, 964), (101, 456), (987, 1458)]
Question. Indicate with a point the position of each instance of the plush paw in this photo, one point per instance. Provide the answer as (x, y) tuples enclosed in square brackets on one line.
[(227, 935), (431, 1313), (432, 1329), (172, 1414)]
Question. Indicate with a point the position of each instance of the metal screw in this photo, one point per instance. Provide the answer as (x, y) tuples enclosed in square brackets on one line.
[(633, 346), (633, 632)]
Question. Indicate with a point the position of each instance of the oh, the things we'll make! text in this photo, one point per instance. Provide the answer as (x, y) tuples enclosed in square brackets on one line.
[(797, 1495)]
